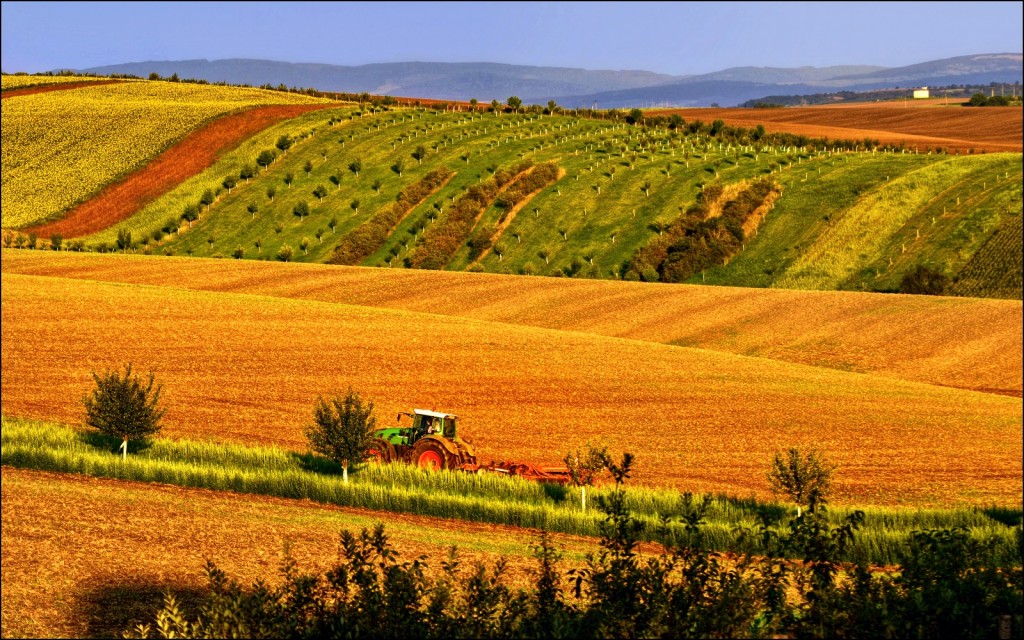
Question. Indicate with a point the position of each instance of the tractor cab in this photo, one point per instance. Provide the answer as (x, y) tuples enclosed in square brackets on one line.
[(426, 423)]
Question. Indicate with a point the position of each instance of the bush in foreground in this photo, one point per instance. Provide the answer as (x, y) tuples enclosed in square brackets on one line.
[(945, 588)]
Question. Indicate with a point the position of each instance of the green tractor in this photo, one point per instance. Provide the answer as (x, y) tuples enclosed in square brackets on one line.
[(430, 442)]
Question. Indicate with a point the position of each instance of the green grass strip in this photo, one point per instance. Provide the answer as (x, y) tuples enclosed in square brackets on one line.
[(485, 498)]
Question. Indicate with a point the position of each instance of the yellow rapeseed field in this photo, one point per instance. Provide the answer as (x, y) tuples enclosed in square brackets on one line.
[(19, 82), (61, 147), (249, 368)]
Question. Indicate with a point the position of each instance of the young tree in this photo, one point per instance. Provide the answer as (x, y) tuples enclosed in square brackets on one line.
[(238, 253), (124, 240), (419, 153), (55, 241), (284, 254), (333, 223), (283, 143), (355, 206), (301, 210), (123, 407), (271, 192), (288, 179), (377, 184), (336, 180), (206, 199), (342, 429), (514, 103), (266, 158), (259, 246), (229, 183), (398, 167), (320, 192), (803, 477), (304, 245), (246, 173), (252, 208), (308, 167), (584, 468), (355, 167)]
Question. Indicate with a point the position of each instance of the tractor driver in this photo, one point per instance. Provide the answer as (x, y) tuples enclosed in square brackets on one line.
[(428, 423)]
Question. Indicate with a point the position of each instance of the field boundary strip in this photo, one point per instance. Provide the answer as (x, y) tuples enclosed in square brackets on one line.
[(197, 151)]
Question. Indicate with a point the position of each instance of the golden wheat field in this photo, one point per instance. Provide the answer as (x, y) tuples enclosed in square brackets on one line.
[(967, 343), (89, 557), (248, 368)]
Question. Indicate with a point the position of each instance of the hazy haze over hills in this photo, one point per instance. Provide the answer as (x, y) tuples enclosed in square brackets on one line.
[(581, 87)]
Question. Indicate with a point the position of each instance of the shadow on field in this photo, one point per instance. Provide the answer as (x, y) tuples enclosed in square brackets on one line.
[(111, 609), (317, 464), (112, 444)]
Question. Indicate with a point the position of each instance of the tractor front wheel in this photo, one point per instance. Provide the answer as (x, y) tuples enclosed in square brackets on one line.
[(430, 456), (381, 450)]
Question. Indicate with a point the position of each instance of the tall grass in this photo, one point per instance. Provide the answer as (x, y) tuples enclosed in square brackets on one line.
[(490, 498)]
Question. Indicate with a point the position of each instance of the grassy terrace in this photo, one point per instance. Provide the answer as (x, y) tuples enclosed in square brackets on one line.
[(480, 498)]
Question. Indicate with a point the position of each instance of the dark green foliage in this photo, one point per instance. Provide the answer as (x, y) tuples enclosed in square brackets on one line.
[(369, 236), (342, 428), (206, 199), (266, 158), (55, 241), (301, 210), (123, 406), (924, 281), (284, 142), (945, 588), (124, 239), (695, 242)]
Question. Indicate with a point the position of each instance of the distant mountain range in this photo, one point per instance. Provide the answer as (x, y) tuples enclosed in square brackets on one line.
[(580, 87)]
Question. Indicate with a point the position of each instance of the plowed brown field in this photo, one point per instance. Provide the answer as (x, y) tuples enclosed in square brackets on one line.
[(87, 557), (196, 152), (957, 342), (248, 368), (920, 125)]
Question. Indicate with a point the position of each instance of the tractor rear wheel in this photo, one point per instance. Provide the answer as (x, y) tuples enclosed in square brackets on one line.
[(430, 456), (381, 450)]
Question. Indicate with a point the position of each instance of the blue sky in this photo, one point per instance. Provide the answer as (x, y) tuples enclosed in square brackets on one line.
[(668, 37)]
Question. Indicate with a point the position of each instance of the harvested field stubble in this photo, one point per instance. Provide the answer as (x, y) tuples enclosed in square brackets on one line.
[(956, 342), (248, 368), (85, 557)]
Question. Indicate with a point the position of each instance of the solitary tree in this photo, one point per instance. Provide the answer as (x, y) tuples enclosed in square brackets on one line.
[(284, 254), (271, 192), (123, 407), (398, 167), (342, 429), (584, 468), (320, 192), (308, 167), (252, 208), (336, 180), (288, 179), (355, 167), (377, 184), (301, 210), (803, 477), (355, 206)]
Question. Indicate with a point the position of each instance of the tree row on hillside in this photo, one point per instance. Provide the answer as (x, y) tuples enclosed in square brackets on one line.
[(442, 240), (698, 239), (542, 175), (369, 236)]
